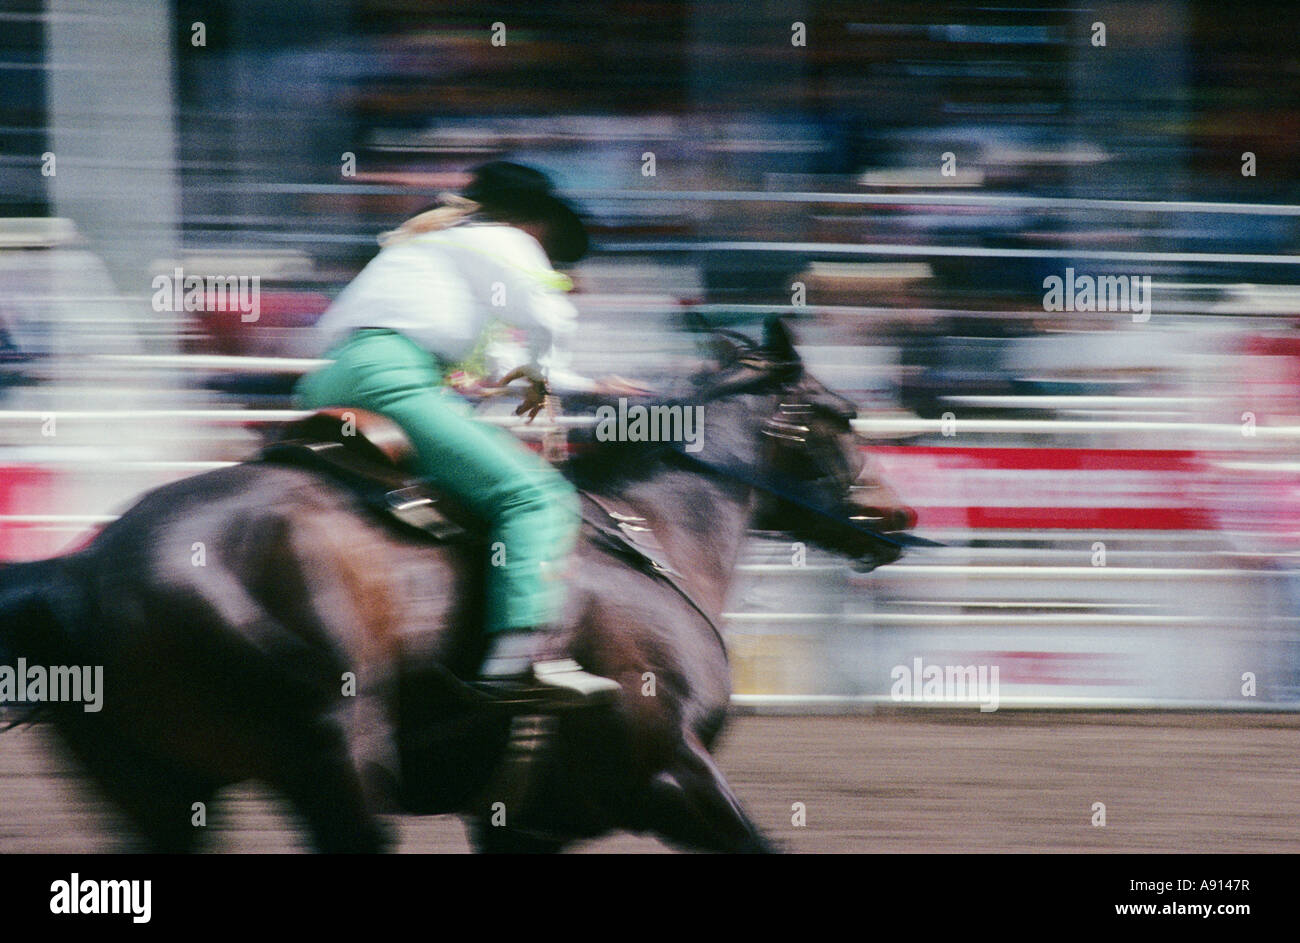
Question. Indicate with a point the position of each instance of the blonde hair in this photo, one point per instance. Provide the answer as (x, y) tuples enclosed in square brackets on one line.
[(452, 209)]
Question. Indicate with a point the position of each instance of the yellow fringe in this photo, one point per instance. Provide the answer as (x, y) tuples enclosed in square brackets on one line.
[(453, 209)]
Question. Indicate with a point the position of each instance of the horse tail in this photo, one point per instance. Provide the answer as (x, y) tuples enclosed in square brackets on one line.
[(38, 615)]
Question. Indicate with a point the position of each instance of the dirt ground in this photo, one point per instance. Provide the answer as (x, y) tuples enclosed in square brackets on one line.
[(889, 782)]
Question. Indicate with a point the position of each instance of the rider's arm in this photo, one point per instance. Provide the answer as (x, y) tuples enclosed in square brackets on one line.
[(535, 302), (505, 355)]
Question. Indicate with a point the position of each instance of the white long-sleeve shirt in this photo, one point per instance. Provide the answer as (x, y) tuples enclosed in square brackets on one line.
[(444, 289)]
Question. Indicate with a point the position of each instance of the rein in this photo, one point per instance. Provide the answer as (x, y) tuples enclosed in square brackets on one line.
[(769, 486)]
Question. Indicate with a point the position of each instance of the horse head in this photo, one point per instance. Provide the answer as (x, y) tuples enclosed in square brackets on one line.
[(816, 481)]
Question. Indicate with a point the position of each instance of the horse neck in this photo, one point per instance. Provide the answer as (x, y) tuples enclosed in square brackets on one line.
[(699, 516)]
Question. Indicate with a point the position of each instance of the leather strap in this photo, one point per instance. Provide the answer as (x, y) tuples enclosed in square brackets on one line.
[(624, 532)]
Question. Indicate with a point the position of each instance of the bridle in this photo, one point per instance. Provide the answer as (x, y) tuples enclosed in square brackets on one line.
[(789, 426)]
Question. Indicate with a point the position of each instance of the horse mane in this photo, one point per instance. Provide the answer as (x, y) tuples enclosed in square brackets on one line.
[(597, 465)]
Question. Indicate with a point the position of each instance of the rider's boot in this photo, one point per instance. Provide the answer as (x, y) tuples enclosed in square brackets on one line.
[(529, 656)]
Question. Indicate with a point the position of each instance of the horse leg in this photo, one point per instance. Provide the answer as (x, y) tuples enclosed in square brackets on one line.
[(157, 797), (316, 772), (691, 804), (309, 739)]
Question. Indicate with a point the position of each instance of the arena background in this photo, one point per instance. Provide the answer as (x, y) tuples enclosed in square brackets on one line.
[(1118, 493)]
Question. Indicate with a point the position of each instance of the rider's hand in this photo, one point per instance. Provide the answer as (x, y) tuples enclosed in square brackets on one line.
[(535, 396)]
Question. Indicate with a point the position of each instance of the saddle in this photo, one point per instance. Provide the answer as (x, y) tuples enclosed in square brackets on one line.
[(372, 456)]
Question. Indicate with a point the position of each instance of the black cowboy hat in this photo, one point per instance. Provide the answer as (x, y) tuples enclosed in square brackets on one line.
[(515, 192)]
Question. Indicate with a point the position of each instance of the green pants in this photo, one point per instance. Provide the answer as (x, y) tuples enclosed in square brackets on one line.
[(530, 508)]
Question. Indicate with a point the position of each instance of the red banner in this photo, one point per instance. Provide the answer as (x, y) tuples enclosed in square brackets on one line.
[(1031, 488)]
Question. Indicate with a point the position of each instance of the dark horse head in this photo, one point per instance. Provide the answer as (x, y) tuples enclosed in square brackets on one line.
[(815, 481)]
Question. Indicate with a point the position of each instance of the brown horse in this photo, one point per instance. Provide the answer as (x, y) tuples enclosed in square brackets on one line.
[(260, 622)]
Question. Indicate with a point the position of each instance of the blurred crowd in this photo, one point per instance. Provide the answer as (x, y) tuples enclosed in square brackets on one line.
[(300, 130)]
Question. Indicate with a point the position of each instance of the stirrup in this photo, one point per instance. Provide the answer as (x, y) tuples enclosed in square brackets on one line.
[(567, 675)]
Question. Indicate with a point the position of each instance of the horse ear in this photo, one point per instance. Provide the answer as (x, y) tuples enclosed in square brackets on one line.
[(778, 342), (724, 350), (725, 347), (696, 323)]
